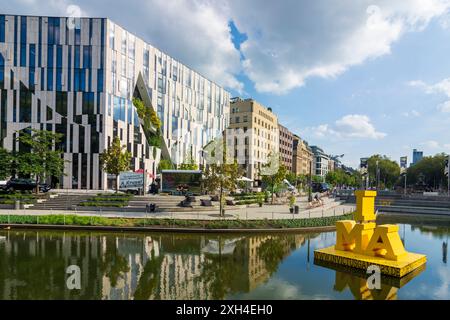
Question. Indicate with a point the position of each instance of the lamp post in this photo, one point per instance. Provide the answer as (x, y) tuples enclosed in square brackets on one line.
[(310, 182), (378, 175)]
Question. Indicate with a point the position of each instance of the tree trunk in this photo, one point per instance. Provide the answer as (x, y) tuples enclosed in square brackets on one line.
[(273, 190), (221, 202), (117, 183), (37, 185)]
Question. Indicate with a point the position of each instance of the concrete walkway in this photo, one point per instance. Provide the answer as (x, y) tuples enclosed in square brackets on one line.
[(330, 208)]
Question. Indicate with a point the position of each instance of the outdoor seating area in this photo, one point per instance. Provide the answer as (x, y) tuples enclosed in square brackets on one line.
[(206, 203)]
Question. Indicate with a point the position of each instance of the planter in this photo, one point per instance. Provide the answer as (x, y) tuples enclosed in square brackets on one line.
[(291, 210), (297, 209)]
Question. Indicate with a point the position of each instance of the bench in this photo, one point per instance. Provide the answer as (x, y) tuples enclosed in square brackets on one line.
[(230, 203), (206, 203)]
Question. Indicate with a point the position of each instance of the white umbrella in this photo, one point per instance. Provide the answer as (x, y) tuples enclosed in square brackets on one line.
[(245, 179)]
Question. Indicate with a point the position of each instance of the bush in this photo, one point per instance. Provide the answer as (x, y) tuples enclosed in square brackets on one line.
[(210, 224)]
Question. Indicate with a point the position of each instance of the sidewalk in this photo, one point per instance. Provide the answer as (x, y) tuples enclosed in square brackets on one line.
[(254, 213)]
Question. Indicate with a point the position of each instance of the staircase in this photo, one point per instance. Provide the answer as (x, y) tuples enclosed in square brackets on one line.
[(61, 202), (412, 204)]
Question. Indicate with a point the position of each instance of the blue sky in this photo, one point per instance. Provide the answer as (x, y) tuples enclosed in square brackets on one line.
[(354, 77)]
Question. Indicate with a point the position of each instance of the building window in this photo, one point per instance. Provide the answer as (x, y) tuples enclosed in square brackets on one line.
[(111, 36), (124, 42), (2, 28)]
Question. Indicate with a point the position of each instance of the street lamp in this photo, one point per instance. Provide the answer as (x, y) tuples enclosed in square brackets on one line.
[(310, 182)]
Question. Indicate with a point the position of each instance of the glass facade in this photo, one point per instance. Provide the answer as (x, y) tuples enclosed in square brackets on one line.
[(81, 81)]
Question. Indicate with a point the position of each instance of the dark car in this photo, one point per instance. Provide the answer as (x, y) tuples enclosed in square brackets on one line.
[(320, 187), (20, 184)]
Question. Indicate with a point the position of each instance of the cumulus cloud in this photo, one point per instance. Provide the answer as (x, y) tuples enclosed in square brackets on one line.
[(290, 43), (349, 126), (195, 32), (287, 41), (442, 87)]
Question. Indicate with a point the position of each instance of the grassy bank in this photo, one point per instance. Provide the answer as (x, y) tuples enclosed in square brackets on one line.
[(176, 223)]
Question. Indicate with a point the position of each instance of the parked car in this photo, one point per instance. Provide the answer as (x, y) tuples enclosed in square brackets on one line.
[(3, 184), (320, 187), (20, 184)]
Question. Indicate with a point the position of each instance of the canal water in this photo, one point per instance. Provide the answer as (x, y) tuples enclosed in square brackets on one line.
[(33, 265)]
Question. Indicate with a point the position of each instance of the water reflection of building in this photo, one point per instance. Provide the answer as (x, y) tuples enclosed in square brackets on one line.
[(186, 267), (134, 266)]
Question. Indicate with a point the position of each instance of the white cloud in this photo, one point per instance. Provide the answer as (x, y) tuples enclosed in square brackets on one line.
[(195, 32), (349, 126), (444, 107), (296, 40), (288, 41), (442, 87), (435, 145), (412, 113)]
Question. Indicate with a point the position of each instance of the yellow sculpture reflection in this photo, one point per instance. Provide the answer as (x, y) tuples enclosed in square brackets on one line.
[(356, 282)]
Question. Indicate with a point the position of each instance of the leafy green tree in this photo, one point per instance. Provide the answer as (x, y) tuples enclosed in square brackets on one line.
[(115, 160), (6, 160), (41, 158), (222, 172), (222, 177), (165, 164), (429, 171), (389, 171), (273, 178)]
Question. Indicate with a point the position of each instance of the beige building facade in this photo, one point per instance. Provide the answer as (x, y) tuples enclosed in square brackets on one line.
[(252, 135), (302, 156)]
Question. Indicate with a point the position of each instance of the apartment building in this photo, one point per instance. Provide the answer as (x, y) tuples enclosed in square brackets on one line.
[(286, 144), (321, 162), (252, 135), (302, 158)]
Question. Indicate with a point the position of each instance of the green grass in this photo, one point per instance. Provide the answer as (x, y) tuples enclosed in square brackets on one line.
[(116, 200), (24, 198), (205, 224)]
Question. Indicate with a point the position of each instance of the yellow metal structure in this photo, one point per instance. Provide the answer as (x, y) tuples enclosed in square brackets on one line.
[(362, 243)]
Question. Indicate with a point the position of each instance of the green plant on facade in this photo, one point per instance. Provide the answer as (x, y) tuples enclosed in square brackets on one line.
[(165, 164), (150, 122), (115, 160), (189, 163)]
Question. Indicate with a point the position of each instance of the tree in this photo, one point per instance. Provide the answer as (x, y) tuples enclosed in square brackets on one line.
[(115, 160), (39, 156), (389, 171), (429, 171), (222, 173), (6, 160), (165, 164), (222, 177), (273, 173)]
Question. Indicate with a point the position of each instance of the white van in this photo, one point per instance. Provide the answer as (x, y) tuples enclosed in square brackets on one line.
[(3, 184)]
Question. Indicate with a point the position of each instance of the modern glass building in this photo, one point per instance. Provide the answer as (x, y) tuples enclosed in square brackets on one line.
[(78, 77), (417, 156)]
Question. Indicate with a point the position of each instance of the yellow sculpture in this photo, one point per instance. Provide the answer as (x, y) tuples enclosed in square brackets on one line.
[(361, 243)]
